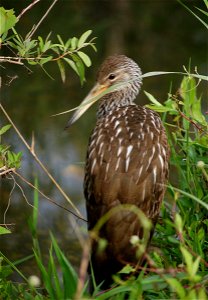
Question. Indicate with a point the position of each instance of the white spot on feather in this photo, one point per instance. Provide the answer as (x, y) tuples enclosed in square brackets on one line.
[(127, 164), (151, 157), (154, 171), (111, 139), (143, 191), (118, 131), (120, 140), (116, 124), (163, 151), (139, 173), (119, 150), (151, 135), (107, 167), (142, 136), (93, 165), (128, 151), (147, 128), (99, 138), (91, 152), (113, 118), (117, 164), (100, 148), (161, 161)]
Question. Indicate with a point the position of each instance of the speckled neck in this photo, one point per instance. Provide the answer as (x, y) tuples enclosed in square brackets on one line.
[(120, 98)]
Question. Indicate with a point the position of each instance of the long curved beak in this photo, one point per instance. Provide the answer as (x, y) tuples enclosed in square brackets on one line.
[(95, 93)]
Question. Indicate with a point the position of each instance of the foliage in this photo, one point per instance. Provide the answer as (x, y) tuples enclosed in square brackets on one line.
[(198, 12), (40, 51), (178, 260), (8, 159), (179, 268)]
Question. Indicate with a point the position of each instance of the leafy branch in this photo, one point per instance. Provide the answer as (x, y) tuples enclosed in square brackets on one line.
[(33, 153), (41, 51)]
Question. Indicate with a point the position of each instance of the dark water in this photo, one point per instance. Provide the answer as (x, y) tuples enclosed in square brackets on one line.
[(159, 35)]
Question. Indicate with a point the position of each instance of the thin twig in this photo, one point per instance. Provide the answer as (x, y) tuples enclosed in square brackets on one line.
[(22, 191), (40, 163), (8, 204), (6, 171), (83, 270), (48, 198), (11, 61), (27, 8), (191, 121), (41, 20)]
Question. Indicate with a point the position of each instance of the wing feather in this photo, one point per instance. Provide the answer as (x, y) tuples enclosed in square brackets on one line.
[(127, 163)]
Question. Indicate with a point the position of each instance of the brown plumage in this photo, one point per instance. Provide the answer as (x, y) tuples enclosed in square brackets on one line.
[(127, 163)]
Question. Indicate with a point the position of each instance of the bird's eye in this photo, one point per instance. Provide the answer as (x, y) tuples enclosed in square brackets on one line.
[(112, 76)]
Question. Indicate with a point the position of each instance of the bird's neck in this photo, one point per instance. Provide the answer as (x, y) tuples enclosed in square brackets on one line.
[(115, 100)]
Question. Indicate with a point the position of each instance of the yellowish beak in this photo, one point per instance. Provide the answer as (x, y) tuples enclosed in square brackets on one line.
[(95, 94)]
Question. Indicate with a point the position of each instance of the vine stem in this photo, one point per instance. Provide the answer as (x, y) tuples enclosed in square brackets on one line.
[(32, 151)]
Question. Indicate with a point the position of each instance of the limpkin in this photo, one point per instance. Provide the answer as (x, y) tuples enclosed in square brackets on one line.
[(127, 163)]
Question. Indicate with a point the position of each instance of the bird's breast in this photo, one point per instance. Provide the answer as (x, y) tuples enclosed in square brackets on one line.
[(122, 139)]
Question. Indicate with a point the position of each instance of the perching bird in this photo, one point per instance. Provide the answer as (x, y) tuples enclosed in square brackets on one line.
[(127, 163)]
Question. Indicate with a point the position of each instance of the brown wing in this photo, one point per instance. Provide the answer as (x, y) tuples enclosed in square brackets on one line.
[(127, 163)]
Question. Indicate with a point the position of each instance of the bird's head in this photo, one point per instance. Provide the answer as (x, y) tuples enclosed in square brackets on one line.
[(118, 83)]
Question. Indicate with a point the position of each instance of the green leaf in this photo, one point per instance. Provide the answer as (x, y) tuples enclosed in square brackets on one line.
[(35, 207), (68, 43), (52, 270), (62, 69), (177, 287), (85, 58), (47, 46), (74, 42), (80, 68), (41, 43), (72, 64), (159, 73), (83, 38), (196, 16), (60, 39), (45, 60), (195, 266), (152, 99), (93, 47), (5, 129), (4, 230), (69, 274), (8, 19), (32, 62), (45, 276), (202, 11), (197, 112), (188, 260), (127, 269), (178, 222), (159, 108), (11, 157)]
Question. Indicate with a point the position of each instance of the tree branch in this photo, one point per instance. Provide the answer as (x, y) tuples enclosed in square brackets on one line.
[(27, 8), (41, 20), (46, 197)]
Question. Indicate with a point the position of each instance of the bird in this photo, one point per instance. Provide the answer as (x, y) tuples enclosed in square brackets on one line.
[(126, 164)]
